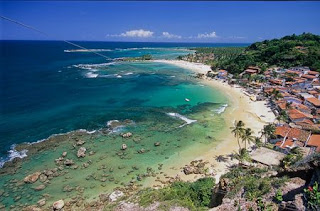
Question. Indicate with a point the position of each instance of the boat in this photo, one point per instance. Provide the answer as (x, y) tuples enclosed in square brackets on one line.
[(186, 99)]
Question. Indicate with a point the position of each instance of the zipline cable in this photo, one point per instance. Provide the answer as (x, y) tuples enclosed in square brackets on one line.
[(47, 35)]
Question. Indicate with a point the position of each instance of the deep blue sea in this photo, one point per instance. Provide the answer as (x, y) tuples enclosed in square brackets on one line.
[(45, 90)]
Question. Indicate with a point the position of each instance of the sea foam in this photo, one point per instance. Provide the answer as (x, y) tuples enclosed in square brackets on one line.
[(184, 118), (221, 109), (13, 153)]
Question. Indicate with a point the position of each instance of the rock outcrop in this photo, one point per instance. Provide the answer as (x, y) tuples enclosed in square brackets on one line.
[(32, 177), (81, 152), (58, 205)]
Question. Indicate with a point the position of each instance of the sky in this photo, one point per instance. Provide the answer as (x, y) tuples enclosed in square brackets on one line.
[(159, 21)]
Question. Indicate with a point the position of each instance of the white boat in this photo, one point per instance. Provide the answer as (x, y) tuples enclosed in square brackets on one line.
[(186, 99)]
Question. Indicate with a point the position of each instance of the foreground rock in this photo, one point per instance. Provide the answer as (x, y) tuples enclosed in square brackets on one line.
[(58, 205), (114, 196), (81, 152), (32, 177)]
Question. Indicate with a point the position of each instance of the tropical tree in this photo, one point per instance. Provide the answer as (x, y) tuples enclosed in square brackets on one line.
[(238, 130), (247, 137), (267, 131), (242, 155), (257, 141), (276, 94)]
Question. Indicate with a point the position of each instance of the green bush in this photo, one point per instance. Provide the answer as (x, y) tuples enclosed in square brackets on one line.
[(191, 195)]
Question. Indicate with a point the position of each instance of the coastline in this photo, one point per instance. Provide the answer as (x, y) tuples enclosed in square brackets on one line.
[(255, 114)]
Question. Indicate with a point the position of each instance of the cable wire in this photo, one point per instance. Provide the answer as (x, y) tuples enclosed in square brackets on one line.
[(47, 35)]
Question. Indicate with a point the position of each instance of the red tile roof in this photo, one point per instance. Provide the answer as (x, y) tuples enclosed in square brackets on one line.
[(296, 114), (309, 76), (315, 142), (287, 143), (314, 101)]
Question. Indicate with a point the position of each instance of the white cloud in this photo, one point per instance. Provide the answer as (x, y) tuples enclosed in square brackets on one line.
[(168, 35), (134, 33), (207, 35)]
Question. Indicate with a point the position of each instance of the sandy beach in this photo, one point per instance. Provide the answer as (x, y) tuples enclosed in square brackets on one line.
[(254, 114)]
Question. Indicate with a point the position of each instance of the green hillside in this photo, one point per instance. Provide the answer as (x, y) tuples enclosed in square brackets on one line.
[(294, 50)]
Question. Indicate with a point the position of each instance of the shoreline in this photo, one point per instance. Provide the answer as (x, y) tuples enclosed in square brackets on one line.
[(255, 114)]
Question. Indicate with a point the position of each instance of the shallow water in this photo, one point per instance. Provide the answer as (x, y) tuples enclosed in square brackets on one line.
[(78, 90)]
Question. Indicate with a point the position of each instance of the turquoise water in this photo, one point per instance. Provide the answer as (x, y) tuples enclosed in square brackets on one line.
[(48, 91)]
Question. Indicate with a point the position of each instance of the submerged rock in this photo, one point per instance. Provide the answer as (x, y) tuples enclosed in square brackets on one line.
[(80, 142), (32, 177), (126, 135), (43, 178), (124, 147), (142, 150), (58, 205), (157, 144), (41, 202), (81, 152), (39, 187), (68, 162)]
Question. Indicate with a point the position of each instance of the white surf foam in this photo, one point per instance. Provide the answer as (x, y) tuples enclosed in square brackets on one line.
[(221, 109), (91, 75), (184, 118), (13, 153)]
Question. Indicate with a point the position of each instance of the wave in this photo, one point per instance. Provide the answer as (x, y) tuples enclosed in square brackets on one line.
[(184, 118), (86, 50), (91, 75), (154, 48), (13, 153), (93, 66), (221, 109)]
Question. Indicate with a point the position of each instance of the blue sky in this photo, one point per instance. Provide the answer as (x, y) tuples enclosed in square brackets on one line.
[(160, 21)]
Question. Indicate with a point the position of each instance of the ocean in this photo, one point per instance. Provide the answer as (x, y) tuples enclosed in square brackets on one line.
[(47, 90)]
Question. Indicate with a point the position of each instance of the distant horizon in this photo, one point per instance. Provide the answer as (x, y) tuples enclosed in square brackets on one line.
[(167, 22), (130, 41)]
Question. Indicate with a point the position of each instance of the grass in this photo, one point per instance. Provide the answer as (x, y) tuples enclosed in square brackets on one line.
[(195, 196)]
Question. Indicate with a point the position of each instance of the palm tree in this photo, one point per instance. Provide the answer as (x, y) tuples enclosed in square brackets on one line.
[(238, 130), (267, 131), (247, 137), (242, 155), (278, 118), (257, 142)]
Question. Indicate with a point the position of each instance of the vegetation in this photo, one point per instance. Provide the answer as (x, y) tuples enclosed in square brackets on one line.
[(213, 56), (251, 182), (313, 196), (268, 131), (294, 156), (145, 57), (195, 196), (301, 50), (238, 130)]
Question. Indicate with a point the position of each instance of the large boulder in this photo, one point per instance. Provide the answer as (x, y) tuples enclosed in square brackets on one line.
[(114, 196), (58, 205), (32, 177), (81, 152)]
